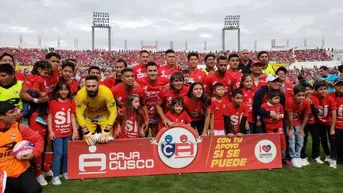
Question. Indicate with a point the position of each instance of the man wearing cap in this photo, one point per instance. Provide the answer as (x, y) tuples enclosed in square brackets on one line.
[(285, 87), (245, 62), (257, 75), (261, 96), (329, 78)]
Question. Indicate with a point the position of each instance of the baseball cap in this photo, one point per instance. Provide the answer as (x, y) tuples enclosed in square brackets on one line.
[(257, 62), (337, 80), (271, 78)]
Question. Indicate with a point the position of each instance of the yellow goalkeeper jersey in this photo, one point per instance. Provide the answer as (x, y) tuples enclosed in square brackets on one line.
[(94, 109)]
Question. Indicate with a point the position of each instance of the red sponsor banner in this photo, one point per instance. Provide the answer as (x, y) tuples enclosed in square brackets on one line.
[(176, 150)]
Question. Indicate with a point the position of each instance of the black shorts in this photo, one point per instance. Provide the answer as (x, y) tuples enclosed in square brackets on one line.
[(25, 183)]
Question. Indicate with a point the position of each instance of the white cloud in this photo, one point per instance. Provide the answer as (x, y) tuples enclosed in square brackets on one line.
[(18, 29)]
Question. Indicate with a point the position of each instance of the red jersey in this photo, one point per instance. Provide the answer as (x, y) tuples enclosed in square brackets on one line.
[(236, 115), (311, 118), (51, 81), (180, 118), (197, 76), (339, 105), (139, 71), (20, 76), (167, 72), (261, 82), (121, 95), (269, 123), (36, 82), (166, 95), (130, 126), (194, 108), (287, 90), (236, 77), (298, 110), (151, 92), (212, 79), (325, 106), (248, 97), (61, 117), (108, 82), (218, 110)]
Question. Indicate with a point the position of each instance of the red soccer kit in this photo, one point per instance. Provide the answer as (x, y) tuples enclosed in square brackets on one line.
[(51, 81), (287, 89), (298, 110), (166, 95), (36, 82), (151, 92), (217, 109), (139, 71), (236, 77), (214, 78), (61, 117), (121, 95), (236, 115), (325, 106), (197, 76), (108, 82), (194, 108), (166, 72), (20, 76), (248, 96), (261, 82), (311, 118), (269, 123), (130, 126), (180, 118), (339, 105)]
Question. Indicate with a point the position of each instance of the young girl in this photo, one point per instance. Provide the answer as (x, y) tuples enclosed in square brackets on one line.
[(62, 128), (82, 82), (132, 124), (197, 105), (235, 115), (248, 96), (177, 114), (36, 85)]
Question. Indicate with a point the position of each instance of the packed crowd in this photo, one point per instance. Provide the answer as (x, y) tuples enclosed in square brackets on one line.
[(231, 96), (104, 58)]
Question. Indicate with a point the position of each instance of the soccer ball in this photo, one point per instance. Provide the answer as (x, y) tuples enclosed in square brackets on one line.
[(22, 148)]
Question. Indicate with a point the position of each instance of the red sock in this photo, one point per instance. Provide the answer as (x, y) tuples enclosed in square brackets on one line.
[(38, 165), (47, 161)]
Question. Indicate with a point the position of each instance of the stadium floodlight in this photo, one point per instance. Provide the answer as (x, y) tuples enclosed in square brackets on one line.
[(101, 20), (231, 23)]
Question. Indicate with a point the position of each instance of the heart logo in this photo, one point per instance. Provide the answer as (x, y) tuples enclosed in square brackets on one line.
[(266, 148)]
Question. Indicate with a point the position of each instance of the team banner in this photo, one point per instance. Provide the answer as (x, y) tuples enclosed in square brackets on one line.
[(176, 150)]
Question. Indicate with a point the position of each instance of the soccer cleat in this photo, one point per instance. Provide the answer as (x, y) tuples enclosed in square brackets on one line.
[(304, 162), (3, 179), (318, 160), (65, 176), (333, 164), (295, 162), (328, 159), (41, 180), (56, 181), (48, 174), (40, 120)]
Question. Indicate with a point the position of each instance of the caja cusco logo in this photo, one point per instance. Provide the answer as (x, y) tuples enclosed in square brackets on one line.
[(177, 147)]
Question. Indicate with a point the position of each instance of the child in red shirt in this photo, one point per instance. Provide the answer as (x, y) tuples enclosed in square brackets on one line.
[(218, 106), (298, 110), (275, 125), (338, 96), (62, 128), (326, 120), (235, 116), (132, 124), (177, 113), (36, 84), (248, 97)]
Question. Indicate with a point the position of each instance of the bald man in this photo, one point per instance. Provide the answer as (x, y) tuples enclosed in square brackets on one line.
[(245, 62)]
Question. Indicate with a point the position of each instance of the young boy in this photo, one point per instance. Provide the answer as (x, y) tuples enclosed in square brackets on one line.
[(311, 127), (275, 125), (219, 104), (326, 120), (186, 77), (298, 110), (235, 115)]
